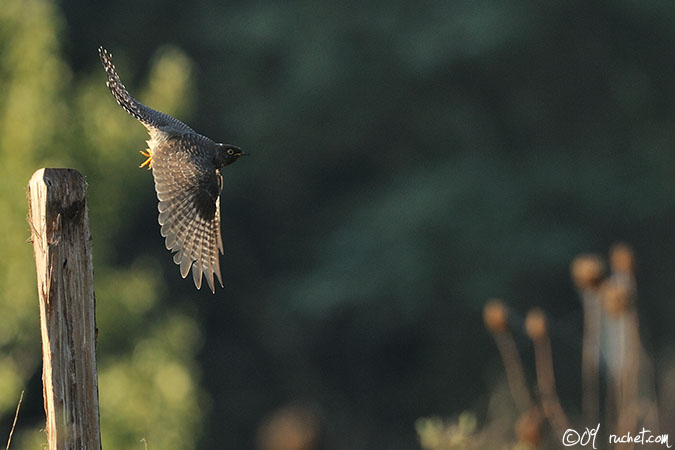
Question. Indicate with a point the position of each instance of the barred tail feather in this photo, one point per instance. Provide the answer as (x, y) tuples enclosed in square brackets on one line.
[(125, 100)]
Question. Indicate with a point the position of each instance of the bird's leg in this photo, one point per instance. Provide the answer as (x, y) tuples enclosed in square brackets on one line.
[(147, 162)]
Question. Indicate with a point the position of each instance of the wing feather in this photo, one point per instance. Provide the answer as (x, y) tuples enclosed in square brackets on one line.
[(187, 186), (197, 245)]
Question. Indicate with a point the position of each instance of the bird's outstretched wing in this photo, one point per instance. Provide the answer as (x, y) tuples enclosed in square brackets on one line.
[(188, 188), (147, 116)]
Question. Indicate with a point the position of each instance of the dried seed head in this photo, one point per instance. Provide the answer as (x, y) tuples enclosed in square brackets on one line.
[(293, 427), (621, 258), (535, 324), (495, 316), (587, 271), (615, 298)]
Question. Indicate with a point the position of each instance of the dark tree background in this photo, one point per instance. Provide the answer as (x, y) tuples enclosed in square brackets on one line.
[(408, 161)]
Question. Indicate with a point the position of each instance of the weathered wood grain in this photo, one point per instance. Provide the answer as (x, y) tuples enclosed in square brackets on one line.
[(62, 246)]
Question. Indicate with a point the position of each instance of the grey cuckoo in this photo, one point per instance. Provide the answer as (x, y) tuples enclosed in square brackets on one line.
[(187, 168)]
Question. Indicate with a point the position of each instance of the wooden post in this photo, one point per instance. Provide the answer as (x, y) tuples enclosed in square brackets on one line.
[(61, 238)]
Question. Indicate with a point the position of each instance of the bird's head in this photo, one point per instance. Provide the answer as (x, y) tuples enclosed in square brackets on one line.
[(227, 154)]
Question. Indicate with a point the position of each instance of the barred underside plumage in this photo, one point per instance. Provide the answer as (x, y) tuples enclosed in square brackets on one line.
[(187, 182)]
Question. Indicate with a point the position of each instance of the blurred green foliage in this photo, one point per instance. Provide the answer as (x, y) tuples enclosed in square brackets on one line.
[(436, 434), (409, 160), (49, 117)]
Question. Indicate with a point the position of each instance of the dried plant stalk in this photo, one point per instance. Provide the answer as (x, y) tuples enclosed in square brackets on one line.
[(495, 316), (536, 328)]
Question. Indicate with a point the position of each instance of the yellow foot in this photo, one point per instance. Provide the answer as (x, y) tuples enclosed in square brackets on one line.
[(148, 162)]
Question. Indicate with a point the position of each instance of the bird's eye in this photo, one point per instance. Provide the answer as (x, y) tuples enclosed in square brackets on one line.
[(230, 151)]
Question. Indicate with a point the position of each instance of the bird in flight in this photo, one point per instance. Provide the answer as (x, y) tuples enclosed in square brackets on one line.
[(187, 169)]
